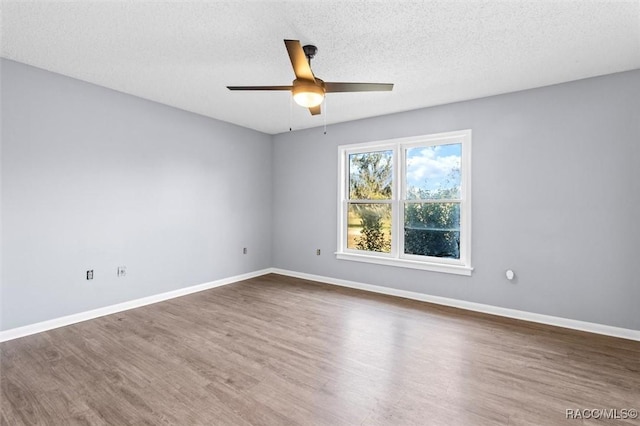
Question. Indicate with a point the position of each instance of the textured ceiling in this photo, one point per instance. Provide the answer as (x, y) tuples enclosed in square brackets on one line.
[(184, 53)]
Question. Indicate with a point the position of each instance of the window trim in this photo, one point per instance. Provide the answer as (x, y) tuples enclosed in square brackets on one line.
[(397, 257)]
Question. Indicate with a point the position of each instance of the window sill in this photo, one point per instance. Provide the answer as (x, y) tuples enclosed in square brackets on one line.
[(405, 263)]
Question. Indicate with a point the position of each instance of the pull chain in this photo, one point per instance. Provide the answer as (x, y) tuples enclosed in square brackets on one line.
[(325, 115), (290, 112)]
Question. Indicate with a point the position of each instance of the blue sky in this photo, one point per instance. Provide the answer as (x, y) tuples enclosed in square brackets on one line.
[(429, 167)]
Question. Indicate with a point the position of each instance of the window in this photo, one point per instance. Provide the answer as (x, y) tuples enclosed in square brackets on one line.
[(406, 202)]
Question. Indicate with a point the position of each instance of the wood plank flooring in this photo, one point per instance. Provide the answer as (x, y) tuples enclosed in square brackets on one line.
[(277, 350)]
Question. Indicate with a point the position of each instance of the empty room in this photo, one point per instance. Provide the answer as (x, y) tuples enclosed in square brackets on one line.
[(320, 212)]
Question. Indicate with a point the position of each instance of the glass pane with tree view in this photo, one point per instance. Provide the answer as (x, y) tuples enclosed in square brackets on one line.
[(370, 179), (370, 175), (433, 172), (432, 229), (369, 227)]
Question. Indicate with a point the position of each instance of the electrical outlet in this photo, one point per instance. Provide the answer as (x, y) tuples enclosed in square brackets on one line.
[(317, 252), (122, 271), (244, 250), (90, 274)]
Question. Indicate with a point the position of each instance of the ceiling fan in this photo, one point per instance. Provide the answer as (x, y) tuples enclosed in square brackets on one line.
[(308, 90)]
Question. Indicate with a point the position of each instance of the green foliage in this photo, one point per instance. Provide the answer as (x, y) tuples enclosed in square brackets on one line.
[(432, 229), (370, 176), (372, 237), (433, 215), (370, 179)]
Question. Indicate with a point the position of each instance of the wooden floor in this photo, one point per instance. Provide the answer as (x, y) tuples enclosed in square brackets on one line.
[(276, 350)]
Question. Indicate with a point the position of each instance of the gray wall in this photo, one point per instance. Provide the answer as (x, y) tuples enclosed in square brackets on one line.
[(94, 179), (556, 198)]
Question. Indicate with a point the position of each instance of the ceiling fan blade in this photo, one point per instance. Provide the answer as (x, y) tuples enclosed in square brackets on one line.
[(332, 87), (301, 67), (259, 87), (315, 110)]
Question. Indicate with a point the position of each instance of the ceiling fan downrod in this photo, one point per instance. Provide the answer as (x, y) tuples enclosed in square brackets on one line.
[(309, 51)]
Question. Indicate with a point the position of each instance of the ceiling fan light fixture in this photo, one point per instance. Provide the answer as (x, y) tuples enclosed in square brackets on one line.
[(307, 94)]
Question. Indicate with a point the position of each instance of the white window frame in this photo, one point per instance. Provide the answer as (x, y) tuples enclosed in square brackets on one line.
[(397, 257)]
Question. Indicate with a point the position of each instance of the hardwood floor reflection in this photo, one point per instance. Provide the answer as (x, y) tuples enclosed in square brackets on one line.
[(277, 350)]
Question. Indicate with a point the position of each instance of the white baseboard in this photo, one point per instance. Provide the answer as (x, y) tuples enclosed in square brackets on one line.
[(607, 330), (590, 327), (27, 330)]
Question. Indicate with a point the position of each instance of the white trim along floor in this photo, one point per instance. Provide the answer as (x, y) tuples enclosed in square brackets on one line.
[(607, 330)]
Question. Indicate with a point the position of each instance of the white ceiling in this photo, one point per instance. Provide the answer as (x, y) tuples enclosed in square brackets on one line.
[(184, 53)]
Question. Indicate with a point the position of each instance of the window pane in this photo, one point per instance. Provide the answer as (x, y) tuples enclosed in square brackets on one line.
[(432, 229), (370, 175), (433, 172), (369, 227)]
